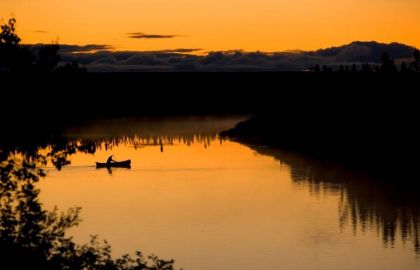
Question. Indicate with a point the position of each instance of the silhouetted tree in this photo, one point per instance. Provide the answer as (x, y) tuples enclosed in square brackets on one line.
[(404, 67), (8, 35), (366, 68), (415, 65), (388, 64), (354, 68), (13, 57), (17, 58), (48, 58)]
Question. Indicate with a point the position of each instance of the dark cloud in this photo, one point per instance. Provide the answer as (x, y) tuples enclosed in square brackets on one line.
[(182, 50), (174, 51), (75, 49), (149, 36), (100, 58), (84, 48)]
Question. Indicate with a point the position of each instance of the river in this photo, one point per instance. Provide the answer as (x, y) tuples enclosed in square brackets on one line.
[(213, 204)]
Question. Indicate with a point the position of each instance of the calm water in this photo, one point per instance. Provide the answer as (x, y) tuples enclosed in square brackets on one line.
[(213, 204)]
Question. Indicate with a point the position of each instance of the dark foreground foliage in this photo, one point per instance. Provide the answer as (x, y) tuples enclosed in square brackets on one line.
[(18, 58), (34, 238)]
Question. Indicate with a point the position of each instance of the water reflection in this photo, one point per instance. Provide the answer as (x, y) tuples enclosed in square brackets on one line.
[(139, 141), (153, 132), (389, 206), (366, 204), (140, 133), (31, 237)]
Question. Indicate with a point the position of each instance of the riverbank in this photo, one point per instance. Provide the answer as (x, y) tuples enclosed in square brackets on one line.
[(367, 119), (96, 95), (380, 142)]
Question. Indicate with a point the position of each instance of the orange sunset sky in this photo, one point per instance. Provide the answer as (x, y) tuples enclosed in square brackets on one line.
[(265, 25)]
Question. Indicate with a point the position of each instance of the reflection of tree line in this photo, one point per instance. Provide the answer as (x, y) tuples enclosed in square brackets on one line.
[(33, 238), (138, 141), (390, 206)]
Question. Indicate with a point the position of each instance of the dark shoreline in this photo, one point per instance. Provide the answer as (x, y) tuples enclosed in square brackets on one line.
[(93, 95), (366, 120), (385, 151)]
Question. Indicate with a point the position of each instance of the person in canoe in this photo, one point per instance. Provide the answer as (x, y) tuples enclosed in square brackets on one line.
[(113, 163), (110, 160)]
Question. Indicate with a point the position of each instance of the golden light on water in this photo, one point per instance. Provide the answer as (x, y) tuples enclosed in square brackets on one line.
[(266, 25), (217, 207)]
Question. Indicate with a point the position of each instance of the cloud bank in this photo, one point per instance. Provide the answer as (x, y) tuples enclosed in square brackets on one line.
[(100, 58)]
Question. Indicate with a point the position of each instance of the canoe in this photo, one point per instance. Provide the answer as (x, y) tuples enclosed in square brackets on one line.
[(119, 164)]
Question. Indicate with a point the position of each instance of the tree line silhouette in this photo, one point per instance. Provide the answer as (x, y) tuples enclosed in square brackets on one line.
[(15, 57), (387, 66)]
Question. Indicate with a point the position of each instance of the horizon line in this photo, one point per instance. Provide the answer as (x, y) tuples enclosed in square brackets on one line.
[(189, 51)]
